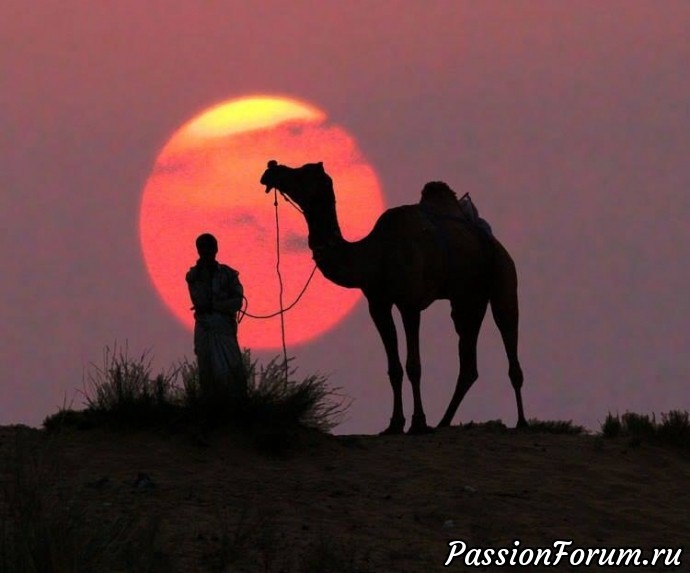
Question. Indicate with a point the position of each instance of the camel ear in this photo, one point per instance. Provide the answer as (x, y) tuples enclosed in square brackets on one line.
[(320, 164)]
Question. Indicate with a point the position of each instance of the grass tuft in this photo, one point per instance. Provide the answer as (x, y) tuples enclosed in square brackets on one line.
[(639, 425), (534, 425), (674, 428), (309, 403), (612, 426), (554, 427), (489, 425), (122, 392)]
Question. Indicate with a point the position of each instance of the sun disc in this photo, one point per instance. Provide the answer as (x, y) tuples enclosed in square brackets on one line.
[(248, 114), (205, 179)]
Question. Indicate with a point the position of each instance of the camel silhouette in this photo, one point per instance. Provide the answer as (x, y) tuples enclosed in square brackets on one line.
[(414, 255)]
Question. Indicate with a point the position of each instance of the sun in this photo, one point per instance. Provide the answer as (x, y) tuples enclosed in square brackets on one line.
[(206, 179)]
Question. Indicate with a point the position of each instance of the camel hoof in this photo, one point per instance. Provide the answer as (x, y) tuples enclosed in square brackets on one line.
[(419, 429), (522, 424), (395, 427), (419, 426)]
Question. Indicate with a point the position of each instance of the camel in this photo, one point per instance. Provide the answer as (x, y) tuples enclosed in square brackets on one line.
[(414, 255)]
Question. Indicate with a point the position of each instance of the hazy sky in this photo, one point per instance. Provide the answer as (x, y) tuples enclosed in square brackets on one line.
[(569, 122)]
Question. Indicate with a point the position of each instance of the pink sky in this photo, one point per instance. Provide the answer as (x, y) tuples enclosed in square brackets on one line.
[(568, 122)]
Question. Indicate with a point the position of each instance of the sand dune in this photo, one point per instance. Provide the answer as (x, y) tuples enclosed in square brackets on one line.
[(156, 501)]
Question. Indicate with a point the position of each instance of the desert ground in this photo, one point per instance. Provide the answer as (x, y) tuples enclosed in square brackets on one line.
[(183, 501)]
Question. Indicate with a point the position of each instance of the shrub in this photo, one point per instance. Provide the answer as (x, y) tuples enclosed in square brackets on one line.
[(123, 387), (612, 426), (674, 427), (279, 401), (123, 392), (639, 425)]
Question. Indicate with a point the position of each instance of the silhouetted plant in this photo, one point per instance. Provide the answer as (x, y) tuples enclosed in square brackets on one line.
[(554, 427), (612, 426), (674, 427), (124, 388), (534, 425), (69, 418), (490, 425), (639, 425), (309, 403), (122, 391), (190, 393)]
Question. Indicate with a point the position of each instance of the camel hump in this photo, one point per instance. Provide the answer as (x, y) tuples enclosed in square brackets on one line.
[(438, 191), (438, 196), (439, 200)]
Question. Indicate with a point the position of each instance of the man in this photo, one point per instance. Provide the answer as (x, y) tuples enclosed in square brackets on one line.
[(216, 294)]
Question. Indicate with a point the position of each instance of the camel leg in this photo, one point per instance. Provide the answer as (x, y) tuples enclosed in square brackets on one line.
[(467, 323), (413, 367), (506, 318), (504, 307), (383, 320)]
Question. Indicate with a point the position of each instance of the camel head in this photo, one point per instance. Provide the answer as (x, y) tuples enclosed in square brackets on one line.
[(308, 186)]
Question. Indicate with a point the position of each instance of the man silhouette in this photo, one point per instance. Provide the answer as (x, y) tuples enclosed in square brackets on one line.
[(216, 294)]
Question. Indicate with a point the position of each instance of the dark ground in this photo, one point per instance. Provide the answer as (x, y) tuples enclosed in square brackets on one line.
[(160, 501)]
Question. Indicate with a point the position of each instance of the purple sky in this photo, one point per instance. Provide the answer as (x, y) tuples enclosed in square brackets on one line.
[(568, 122)]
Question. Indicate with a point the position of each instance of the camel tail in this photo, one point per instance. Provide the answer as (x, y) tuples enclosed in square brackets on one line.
[(505, 310)]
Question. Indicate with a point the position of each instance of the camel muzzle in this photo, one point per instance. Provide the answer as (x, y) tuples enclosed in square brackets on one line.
[(272, 164)]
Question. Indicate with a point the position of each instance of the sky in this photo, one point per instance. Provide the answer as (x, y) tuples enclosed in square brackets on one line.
[(568, 122)]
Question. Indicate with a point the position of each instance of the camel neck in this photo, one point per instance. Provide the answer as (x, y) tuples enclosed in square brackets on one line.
[(324, 230), (338, 260)]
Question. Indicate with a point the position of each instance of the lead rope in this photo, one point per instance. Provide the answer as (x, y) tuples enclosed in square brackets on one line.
[(280, 282), (243, 312)]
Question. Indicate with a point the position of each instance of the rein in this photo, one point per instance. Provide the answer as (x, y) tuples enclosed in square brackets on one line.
[(243, 312)]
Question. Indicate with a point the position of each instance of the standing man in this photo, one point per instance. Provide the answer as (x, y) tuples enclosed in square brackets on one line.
[(216, 294)]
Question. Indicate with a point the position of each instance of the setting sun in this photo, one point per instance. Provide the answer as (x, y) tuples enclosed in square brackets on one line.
[(248, 114), (205, 180)]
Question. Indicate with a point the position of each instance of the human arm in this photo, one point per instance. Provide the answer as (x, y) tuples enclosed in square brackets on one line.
[(232, 294), (199, 290)]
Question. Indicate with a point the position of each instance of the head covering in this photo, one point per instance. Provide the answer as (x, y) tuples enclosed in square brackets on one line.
[(206, 242)]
